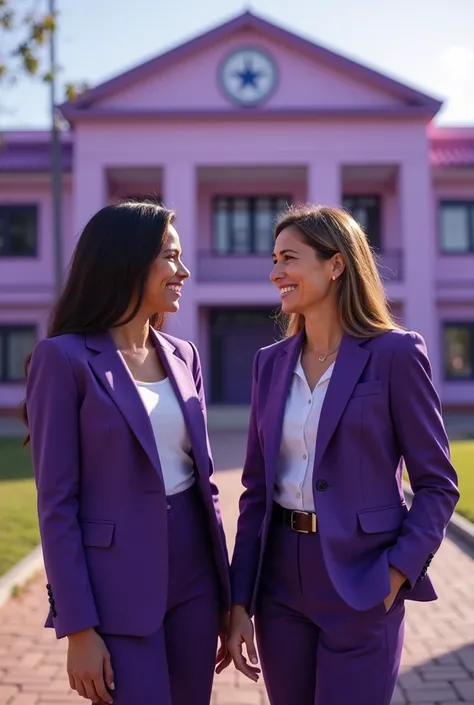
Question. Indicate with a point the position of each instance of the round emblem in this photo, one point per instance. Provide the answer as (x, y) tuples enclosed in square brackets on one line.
[(248, 76)]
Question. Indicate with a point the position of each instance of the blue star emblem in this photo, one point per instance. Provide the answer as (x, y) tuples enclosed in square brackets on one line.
[(248, 76)]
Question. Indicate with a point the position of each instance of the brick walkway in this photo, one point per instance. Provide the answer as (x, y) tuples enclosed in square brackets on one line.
[(438, 662)]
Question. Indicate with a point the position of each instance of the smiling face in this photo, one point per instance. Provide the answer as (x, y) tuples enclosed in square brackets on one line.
[(303, 278), (166, 277)]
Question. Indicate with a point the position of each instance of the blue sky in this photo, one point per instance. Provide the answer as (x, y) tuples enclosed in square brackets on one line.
[(426, 44)]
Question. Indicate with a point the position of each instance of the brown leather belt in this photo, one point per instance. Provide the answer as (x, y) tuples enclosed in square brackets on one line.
[(302, 522)]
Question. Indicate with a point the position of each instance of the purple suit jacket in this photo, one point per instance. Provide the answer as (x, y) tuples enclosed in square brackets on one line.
[(380, 406), (101, 497)]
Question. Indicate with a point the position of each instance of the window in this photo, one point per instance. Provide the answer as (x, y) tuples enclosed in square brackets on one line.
[(459, 351), (366, 210), (244, 224), (456, 223), (16, 343), (18, 231)]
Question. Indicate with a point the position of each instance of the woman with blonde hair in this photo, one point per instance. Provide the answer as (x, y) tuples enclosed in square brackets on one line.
[(327, 551)]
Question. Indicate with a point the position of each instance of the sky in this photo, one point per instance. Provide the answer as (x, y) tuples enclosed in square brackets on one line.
[(427, 44)]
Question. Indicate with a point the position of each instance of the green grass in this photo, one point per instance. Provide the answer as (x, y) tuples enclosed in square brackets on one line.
[(18, 523), (462, 456), (463, 461)]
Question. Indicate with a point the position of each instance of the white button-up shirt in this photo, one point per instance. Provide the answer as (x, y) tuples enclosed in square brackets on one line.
[(171, 434), (294, 478)]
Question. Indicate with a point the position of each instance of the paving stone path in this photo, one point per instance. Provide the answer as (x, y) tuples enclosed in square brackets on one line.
[(438, 660)]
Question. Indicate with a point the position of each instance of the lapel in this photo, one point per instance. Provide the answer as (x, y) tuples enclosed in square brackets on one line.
[(184, 387), (282, 377), (350, 363), (115, 377)]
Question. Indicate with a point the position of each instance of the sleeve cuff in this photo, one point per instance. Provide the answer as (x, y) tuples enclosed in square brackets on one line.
[(409, 569)]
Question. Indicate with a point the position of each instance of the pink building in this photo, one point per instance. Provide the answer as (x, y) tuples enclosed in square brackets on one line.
[(227, 129)]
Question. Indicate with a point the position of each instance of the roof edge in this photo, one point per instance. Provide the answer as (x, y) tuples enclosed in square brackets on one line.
[(273, 31)]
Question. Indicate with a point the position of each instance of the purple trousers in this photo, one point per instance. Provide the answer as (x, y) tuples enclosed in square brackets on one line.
[(314, 648), (175, 666)]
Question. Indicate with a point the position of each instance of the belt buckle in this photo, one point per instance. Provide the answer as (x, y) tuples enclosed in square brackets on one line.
[(292, 522), (302, 531)]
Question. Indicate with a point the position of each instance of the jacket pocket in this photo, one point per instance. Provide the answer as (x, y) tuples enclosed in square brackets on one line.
[(366, 389), (374, 521), (97, 533)]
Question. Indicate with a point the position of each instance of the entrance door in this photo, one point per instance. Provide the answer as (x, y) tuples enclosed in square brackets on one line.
[(236, 335)]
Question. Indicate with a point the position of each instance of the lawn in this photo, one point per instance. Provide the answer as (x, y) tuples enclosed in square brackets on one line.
[(463, 461), (18, 523), (462, 455)]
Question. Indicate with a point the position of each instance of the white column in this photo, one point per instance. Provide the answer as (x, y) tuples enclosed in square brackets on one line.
[(324, 181), (419, 247), (88, 196), (180, 195)]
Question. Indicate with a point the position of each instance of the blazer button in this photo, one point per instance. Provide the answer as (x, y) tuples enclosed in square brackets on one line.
[(321, 485)]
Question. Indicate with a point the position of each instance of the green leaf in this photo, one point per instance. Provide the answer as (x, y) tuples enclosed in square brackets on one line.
[(49, 22), (6, 20), (31, 64), (38, 33), (30, 30)]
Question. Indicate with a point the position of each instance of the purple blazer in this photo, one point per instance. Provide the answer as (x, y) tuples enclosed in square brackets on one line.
[(101, 497), (380, 406)]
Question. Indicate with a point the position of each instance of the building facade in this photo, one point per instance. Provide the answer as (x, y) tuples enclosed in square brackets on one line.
[(227, 129)]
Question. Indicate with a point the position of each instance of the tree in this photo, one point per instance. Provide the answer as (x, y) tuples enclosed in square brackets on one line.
[(25, 28)]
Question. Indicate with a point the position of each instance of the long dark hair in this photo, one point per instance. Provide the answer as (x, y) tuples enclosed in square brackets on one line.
[(108, 270)]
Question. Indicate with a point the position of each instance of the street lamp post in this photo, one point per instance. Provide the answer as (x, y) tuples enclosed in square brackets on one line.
[(56, 167)]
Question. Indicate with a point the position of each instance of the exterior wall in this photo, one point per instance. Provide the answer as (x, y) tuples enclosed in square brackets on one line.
[(178, 154), (27, 284), (11, 394), (323, 149), (291, 147), (187, 86), (457, 393), (453, 271), (30, 280)]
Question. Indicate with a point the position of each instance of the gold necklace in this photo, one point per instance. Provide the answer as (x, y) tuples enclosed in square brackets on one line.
[(323, 358)]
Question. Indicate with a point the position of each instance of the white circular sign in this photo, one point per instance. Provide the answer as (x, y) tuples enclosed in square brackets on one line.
[(248, 76)]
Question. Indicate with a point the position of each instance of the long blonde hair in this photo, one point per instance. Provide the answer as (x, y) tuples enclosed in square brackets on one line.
[(363, 306)]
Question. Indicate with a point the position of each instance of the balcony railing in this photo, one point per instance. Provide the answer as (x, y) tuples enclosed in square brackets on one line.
[(213, 267), (234, 267)]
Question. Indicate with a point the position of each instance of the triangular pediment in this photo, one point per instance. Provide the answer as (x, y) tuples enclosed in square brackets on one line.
[(252, 65)]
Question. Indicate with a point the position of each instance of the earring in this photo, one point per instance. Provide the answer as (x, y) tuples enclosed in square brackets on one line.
[(334, 279)]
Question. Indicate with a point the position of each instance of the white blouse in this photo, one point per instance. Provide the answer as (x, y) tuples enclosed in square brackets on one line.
[(171, 435), (294, 478)]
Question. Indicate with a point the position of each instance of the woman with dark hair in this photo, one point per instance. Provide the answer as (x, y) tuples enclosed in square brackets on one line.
[(327, 551), (131, 531)]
